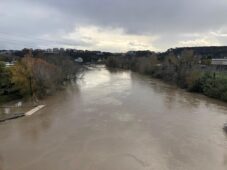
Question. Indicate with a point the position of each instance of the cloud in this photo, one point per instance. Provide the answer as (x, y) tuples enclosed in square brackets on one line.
[(111, 39), (152, 24), (198, 42), (152, 16)]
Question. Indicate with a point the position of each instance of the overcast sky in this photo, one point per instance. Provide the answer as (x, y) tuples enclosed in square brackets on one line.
[(112, 25)]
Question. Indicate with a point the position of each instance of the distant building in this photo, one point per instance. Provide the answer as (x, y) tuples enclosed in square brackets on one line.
[(131, 53), (3, 52), (55, 50), (79, 60), (9, 64), (219, 62), (99, 60), (49, 50), (62, 50), (99, 53), (9, 52)]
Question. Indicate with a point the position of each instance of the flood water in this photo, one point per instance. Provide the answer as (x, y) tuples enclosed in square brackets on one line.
[(118, 120)]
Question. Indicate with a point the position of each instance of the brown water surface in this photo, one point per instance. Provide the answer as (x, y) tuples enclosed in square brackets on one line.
[(118, 121)]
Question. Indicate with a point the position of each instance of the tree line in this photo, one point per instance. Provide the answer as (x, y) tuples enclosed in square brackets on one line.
[(185, 70), (35, 76)]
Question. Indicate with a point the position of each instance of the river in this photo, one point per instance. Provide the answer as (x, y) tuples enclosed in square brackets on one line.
[(118, 120)]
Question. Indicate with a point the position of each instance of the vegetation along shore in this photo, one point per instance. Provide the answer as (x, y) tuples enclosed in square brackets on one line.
[(193, 71), (36, 73)]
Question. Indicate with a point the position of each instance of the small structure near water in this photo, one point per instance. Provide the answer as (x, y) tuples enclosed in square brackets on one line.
[(79, 60), (8, 114), (31, 112)]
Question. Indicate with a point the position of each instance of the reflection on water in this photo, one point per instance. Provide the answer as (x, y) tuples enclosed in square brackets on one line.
[(114, 119)]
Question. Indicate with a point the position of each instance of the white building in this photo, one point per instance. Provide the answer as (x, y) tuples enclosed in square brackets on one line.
[(79, 60), (9, 64), (219, 62)]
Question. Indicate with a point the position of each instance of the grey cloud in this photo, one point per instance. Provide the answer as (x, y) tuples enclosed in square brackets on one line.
[(151, 16), (168, 19)]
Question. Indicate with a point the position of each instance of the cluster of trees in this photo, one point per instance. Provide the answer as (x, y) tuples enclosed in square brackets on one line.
[(7, 91), (184, 70), (212, 51), (87, 56), (36, 76), (212, 85)]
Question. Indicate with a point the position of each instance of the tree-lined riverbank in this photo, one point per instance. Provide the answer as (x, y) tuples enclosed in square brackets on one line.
[(36, 76), (185, 70)]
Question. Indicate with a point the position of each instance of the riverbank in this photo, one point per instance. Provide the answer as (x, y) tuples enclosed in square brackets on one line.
[(36, 75), (185, 72), (15, 109), (14, 115), (5, 117), (12, 106)]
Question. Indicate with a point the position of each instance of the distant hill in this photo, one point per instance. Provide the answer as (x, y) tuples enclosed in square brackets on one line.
[(93, 56), (211, 52)]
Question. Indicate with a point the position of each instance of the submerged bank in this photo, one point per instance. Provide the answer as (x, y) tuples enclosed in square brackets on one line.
[(14, 110)]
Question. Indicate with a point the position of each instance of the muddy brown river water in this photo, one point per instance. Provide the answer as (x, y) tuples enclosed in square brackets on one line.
[(118, 121)]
